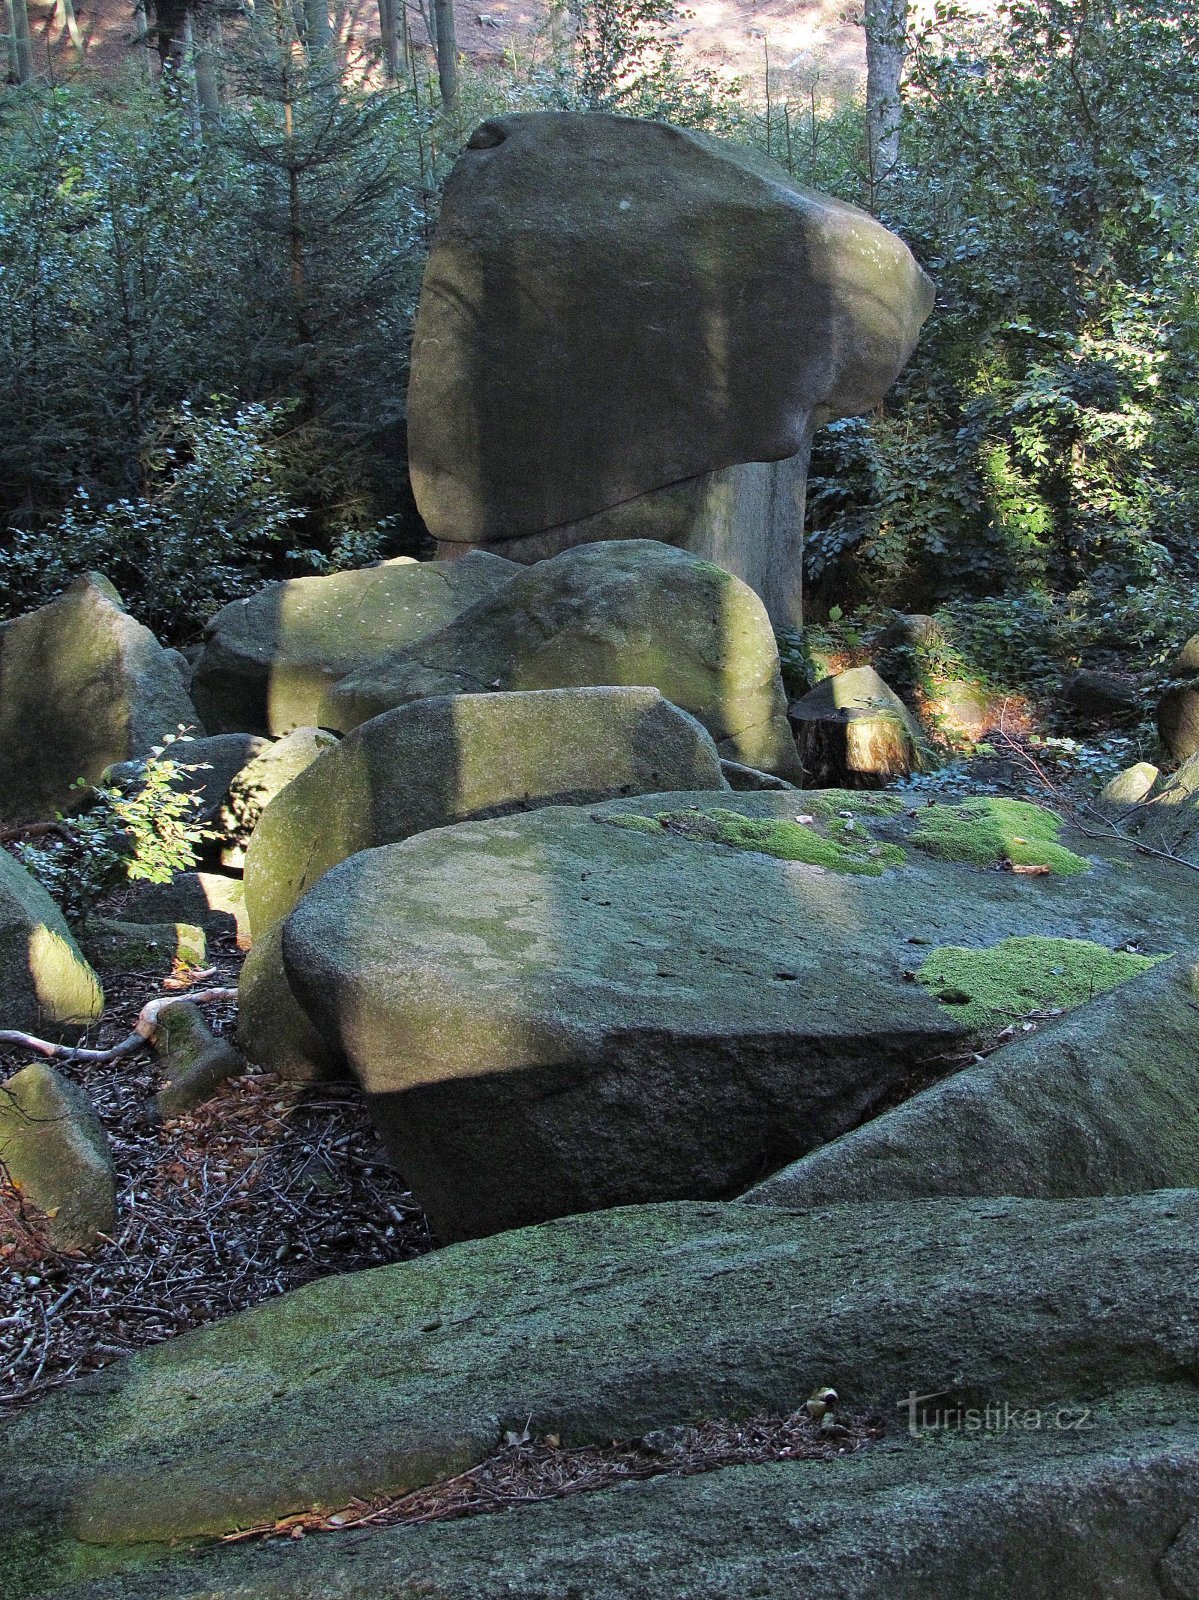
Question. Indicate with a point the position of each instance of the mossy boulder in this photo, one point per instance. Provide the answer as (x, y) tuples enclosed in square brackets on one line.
[(210, 900), (54, 1149), (259, 781), (45, 982), (607, 1327), (273, 1029), (82, 685), (267, 660), (193, 1060), (1105, 1100), (853, 731), (159, 948), (631, 612), (1127, 789), (452, 757)]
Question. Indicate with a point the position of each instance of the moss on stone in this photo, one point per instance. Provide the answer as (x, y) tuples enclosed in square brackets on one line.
[(984, 831), (854, 850), (832, 802), (987, 988)]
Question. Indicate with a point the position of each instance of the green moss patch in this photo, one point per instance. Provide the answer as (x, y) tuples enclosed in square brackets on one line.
[(851, 849), (986, 831), (990, 988)]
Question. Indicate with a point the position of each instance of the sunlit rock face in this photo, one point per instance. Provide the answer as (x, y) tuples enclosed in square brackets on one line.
[(615, 308)]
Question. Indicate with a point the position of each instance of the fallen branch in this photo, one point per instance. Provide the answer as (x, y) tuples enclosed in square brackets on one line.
[(33, 830), (143, 1033)]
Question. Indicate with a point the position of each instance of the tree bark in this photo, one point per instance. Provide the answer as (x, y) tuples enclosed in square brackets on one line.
[(316, 25), (22, 41), (447, 53), (170, 34), (390, 36), (886, 49), (206, 41)]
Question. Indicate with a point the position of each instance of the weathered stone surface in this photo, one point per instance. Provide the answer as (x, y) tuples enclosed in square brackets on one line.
[(628, 612), (272, 1029), (54, 1149), (112, 945), (210, 766), (1103, 697), (612, 307), (573, 1009), (1102, 1101), (1169, 819), (45, 983), (453, 757), (852, 731), (750, 780), (267, 660), (208, 899), (82, 685), (1178, 719), (1128, 788), (192, 1059), (607, 1327), (259, 781)]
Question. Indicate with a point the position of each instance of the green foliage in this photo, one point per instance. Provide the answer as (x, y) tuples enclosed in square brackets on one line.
[(144, 829), (987, 832), (991, 988), (624, 58)]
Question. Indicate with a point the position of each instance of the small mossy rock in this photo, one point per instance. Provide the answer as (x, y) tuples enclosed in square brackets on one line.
[(267, 660), (1128, 788), (630, 612), (259, 781), (1177, 718), (272, 1028), (453, 757), (1103, 1101), (46, 985), (210, 900), (159, 948), (990, 832), (54, 1149), (378, 1382), (750, 780), (192, 1059), (992, 986), (1103, 697), (82, 686), (852, 731)]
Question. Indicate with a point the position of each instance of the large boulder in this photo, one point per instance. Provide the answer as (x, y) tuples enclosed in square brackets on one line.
[(613, 308), (1102, 1101), (268, 659), (45, 983), (607, 1327), (54, 1149), (629, 612), (273, 1029), (454, 757), (257, 783), (82, 685), (660, 997)]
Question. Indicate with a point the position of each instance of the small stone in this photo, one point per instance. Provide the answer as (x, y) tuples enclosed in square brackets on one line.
[(56, 1152)]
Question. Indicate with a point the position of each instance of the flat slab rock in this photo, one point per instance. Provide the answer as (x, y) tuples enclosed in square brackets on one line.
[(609, 1326), (552, 1013)]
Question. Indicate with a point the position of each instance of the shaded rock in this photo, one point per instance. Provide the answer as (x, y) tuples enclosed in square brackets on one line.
[(454, 757), (1177, 717), (259, 781), (208, 899), (268, 659), (181, 665), (1102, 1101), (853, 731), (381, 1381), (153, 947), (673, 300), (629, 613), (1103, 697), (192, 1059), (1170, 820), (1186, 662), (82, 686), (272, 1028), (749, 780), (1128, 788), (210, 764), (45, 982), (54, 1149)]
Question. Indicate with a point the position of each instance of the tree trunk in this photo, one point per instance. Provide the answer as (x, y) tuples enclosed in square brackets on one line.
[(206, 42), (447, 53), (390, 35), (22, 42), (66, 22), (886, 48), (316, 25), (170, 33)]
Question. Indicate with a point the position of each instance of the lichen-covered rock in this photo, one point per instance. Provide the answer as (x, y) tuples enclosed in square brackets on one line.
[(45, 982), (210, 900), (1128, 788), (113, 945), (853, 731), (54, 1149), (630, 613), (610, 1326), (272, 1027), (612, 306), (267, 660), (193, 1061), (453, 757), (1103, 1101), (259, 781), (82, 686)]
